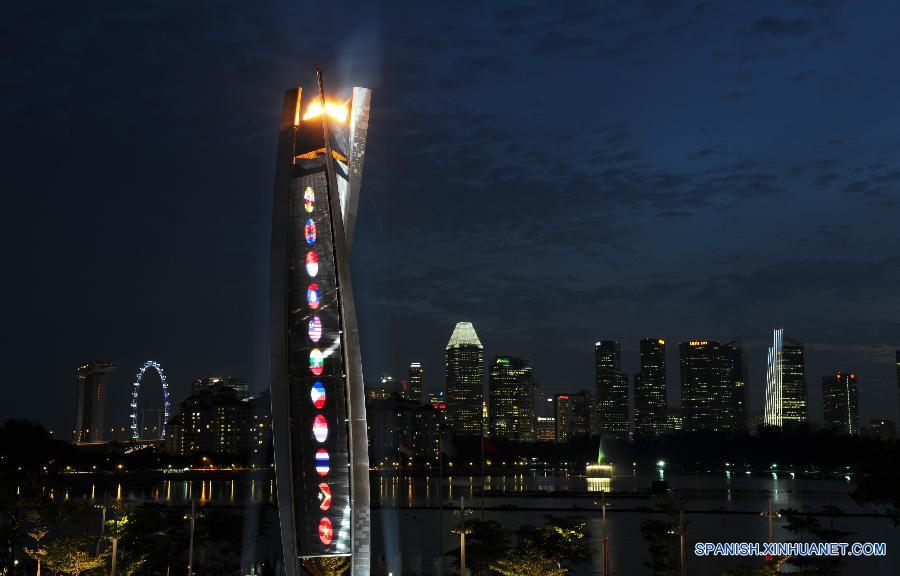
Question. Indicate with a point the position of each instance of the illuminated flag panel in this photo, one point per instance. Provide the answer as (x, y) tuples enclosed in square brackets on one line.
[(321, 459)]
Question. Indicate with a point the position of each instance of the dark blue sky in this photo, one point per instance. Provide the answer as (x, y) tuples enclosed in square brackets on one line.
[(556, 173)]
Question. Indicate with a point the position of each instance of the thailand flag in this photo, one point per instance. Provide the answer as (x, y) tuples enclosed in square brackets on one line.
[(312, 264), (322, 463), (320, 428), (317, 395)]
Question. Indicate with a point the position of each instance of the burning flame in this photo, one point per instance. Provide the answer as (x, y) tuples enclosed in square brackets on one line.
[(337, 110)]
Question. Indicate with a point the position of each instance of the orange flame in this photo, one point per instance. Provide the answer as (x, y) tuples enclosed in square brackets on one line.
[(337, 110)]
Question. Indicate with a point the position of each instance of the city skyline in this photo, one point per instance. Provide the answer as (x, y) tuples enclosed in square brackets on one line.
[(649, 217)]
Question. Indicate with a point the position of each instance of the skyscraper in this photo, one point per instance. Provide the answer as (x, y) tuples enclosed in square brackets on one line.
[(710, 384), (840, 403), (736, 363), (573, 416), (463, 374), (90, 395), (315, 368), (414, 387), (612, 389), (785, 382), (511, 412), (607, 356), (650, 389)]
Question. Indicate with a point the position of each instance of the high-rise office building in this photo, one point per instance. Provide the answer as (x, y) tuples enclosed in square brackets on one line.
[(840, 402), (607, 356), (90, 395), (573, 416), (414, 384), (545, 429), (785, 382), (511, 393), (710, 384), (737, 366), (315, 366), (463, 374), (650, 389), (612, 389)]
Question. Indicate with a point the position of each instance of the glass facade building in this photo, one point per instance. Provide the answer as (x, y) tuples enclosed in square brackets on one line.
[(511, 411), (840, 403), (612, 390), (650, 389), (463, 372)]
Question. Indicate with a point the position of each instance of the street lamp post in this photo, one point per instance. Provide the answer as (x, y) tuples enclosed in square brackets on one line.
[(191, 544), (770, 515), (605, 541), (462, 531)]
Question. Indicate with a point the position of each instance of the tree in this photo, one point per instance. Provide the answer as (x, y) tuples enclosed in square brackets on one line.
[(528, 564), (68, 556), (661, 545), (563, 540), (807, 527), (115, 529), (487, 543), (37, 534), (327, 565)]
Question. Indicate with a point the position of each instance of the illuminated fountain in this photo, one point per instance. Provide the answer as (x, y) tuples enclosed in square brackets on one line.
[(600, 474)]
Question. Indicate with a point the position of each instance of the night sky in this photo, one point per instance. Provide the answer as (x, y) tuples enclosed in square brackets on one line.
[(556, 173)]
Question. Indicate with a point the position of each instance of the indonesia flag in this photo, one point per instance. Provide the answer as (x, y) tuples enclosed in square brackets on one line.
[(320, 428), (312, 264), (326, 533), (317, 395), (322, 463)]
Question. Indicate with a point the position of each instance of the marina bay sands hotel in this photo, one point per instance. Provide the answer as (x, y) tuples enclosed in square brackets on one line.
[(315, 370)]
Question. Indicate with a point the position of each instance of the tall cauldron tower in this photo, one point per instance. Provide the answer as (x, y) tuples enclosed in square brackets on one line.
[(315, 371)]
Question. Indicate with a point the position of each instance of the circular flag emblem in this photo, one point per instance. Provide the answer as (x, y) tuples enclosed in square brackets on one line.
[(309, 199), (320, 428), (312, 264), (325, 531), (310, 231), (317, 395), (315, 329), (315, 361), (324, 496), (322, 462), (312, 296)]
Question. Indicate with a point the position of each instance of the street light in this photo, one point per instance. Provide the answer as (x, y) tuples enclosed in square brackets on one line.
[(770, 515), (680, 533), (462, 531), (603, 505)]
